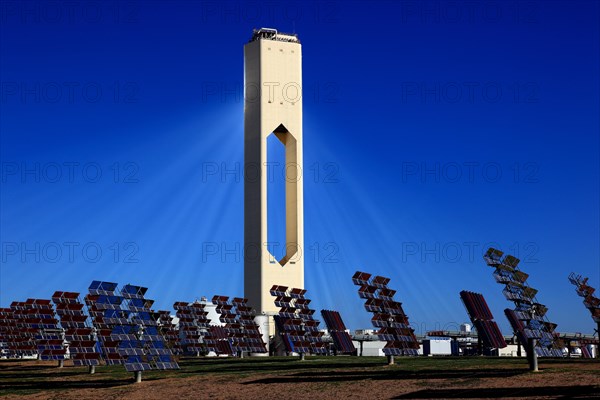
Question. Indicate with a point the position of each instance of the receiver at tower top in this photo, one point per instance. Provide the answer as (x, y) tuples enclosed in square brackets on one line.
[(272, 34)]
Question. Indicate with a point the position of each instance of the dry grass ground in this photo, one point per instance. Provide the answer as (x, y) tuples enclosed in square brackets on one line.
[(315, 378)]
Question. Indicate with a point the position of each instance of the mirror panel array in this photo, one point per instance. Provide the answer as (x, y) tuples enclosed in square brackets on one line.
[(338, 332), (41, 321), (193, 326), (127, 332), (84, 349), (253, 337), (11, 336), (295, 322), (528, 318), (241, 330), (217, 341), (483, 320), (584, 290), (144, 322), (388, 315), (170, 332)]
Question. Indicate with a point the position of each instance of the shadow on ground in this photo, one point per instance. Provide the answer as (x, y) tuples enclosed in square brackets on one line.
[(567, 392), (342, 376), (70, 384)]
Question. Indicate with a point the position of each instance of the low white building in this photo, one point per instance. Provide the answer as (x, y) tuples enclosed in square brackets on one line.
[(512, 350), (374, 348), (437, 347)]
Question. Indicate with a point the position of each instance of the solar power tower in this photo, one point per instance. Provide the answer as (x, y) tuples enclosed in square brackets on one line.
[(242, 331), (84, 349), (18, 338), (127, 333), (193, 326), (388, 315), (488, 332), (295, 323), (341, 339), (528, 318), (272, 111), (590, 301)]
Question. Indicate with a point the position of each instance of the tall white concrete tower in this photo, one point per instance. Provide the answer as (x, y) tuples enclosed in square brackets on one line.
[(272, 106)]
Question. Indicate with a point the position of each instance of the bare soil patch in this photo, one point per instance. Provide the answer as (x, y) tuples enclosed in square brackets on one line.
[(315, 378)]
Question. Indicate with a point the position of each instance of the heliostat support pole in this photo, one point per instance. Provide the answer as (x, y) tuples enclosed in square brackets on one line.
[(390, 360), (92, 369), (138, 376), (598, 345), (533, 361)]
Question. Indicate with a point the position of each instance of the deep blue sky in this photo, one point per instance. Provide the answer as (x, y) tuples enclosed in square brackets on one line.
[(390, 89)]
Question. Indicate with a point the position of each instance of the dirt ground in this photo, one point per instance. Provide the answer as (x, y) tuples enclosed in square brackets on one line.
[(315, 378)]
